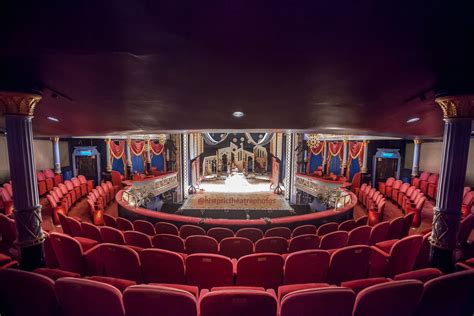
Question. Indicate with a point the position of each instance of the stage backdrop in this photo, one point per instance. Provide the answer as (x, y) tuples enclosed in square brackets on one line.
[(315, 157), (117, 154), (335, 154), (354, 159)]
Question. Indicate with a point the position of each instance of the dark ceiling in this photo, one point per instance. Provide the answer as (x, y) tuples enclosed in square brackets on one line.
[(145, 66)]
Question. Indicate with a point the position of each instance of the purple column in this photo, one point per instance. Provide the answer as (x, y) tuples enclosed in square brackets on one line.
[(27, 213), (457, 112)]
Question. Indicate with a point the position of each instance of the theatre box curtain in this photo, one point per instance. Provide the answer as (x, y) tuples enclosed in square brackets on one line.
[(315, 158), (335, 154), (354, 161), (137, 150), (117, 155), (157, 156)]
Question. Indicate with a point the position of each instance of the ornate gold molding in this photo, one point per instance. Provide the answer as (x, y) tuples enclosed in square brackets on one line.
[(55, 139), (457, 106), (19, 103), (417, 141), (365, 142)]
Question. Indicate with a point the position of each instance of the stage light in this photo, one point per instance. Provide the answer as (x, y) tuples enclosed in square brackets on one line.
[(238, 114), (53, 119), (413, 120)]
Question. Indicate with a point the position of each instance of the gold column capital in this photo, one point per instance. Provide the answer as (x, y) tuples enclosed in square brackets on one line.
[(366, 142), (19, 103), (417, 141), (55, 139), (456, 106), (107, 140)]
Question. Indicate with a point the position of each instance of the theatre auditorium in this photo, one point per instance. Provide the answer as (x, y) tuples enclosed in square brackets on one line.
[(237, 158)]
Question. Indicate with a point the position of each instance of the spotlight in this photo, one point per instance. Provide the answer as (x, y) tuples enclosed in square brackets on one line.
[(238, 114), (413, 120), (53, 119)]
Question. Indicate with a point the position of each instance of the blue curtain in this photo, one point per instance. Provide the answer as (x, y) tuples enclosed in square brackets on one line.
[(335, 165), (137, 164), (118, 165), (354, 168), (158, 162), (315, 161)]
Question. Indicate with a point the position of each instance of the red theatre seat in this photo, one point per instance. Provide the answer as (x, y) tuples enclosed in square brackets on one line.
[(191, 230), (305, 230), (238, 302), (361, 221), (423, 275), (75, 190), (96, 213), (119, 261), (42, 186), (78, 187), (69, 253), (347, 225), (209, 270), (138, 239), (337, 239), (219, 233), (432, 189), (6, 201), (423, 258), (467, 203), (236, 247), (361, 284), (144, 227), (400, 258), (56, 177), (383, 186), (40, 299), (162, 266), (396, 193), (328, 301), (283, 232), (166, 228), (253, 234), (379, 233), (395, 187), (272, 244), (89, 184), (303, 242), (327, 228), (124, 224), (201, 244), (307, 266), (416, 182), (79, 297), (91, 231), (168, 242), (359, 236), (395, 229), (263, 269), (112, 235), (110, 221), (390, 298), (349, 263), (141, 300)]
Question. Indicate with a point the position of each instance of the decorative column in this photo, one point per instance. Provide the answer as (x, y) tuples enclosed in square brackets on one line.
[(325, 156), (56, 155), (416, 157), (458, 112), (344, 156), (365, 143), (185, 160), (129, 159), (108, 167), (288, 164), (19, 108), (148, 156)]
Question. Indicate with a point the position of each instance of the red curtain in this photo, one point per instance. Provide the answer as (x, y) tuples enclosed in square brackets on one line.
[(317, 149), (137, 147), (117, 150), (156, 148), (356, 150)]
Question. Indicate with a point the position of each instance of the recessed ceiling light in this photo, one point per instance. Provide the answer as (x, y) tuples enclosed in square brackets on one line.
[(238, 114), (413, 120), (53, 119)]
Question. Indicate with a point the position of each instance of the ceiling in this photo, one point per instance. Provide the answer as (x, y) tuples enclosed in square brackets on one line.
[(144, 66)]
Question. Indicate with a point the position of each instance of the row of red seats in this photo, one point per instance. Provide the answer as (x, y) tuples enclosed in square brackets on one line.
[(427, 182), (374, 202), (47, 180), (235, 247), (268, 270), (443, 295), (6, 198), (467, 206)]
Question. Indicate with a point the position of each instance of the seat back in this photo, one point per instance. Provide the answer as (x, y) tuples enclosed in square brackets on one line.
[(424, 176), (76, 297), (433, 178), (407, 221), (82, 179), (379, 233), (357, 256), (116, 177), (138, 239), (395, 229), (283, 232), (64, 224), (423, 258), (191, 230), (272, 244), (162, 266), (112, 235), (263, 269), (75, 182), (75, 227), (390, 181), (168, 242), (69, 185), (450, 294), (397, 184), (307, 266), (305, 230), (219, 233), (328, 301), (347, 225), (119, 261), (63, 188), (124, 224), (361, 221), (40, 299), (201, 244), (404, 188), (238, 302), (253, 234), (51, 200), (465, 228), (110, 221), (91, 231), (337, 239), (359, 236), (303, 242), (209, 270), (68, 252), (403, 255), (166, 228), (390, 298), (144, 227), (7, 186), (235, 247)]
